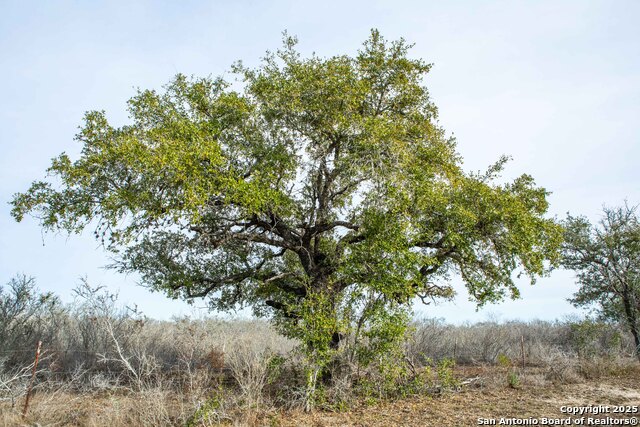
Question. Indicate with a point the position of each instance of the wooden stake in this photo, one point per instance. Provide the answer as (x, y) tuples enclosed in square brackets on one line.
[(455, 348), (33, 377)]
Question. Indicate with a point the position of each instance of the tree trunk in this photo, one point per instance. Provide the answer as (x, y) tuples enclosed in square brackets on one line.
[(632, 319), (336, 338), (636, 338)]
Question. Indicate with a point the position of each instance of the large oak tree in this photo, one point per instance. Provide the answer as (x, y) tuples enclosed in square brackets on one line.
[(311, 188)]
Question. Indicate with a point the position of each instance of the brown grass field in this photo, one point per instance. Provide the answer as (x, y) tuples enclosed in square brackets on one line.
[(488, 396), (102, 366)]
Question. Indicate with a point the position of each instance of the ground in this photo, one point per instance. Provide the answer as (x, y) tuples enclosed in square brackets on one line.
[(487, 398)]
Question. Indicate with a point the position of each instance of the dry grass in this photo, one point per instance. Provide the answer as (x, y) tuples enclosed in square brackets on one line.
[(487, 396), (105, 366)]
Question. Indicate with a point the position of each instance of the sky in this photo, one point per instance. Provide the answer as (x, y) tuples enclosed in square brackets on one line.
[(554, 84)]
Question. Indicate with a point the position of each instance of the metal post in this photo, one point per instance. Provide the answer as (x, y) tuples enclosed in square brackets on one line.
[(33, 377), (522, 350)]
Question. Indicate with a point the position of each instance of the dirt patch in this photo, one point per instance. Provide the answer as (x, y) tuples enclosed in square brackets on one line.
[(490, 398)]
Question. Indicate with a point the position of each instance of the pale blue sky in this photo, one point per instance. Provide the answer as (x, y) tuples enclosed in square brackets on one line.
[(555, 84)]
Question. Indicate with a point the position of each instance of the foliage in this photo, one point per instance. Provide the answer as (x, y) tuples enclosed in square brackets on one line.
[(394, 377), (606, 258), (444, 370), (513, 381), (503, 360), (589, 336), (323, 193), (209, 412)]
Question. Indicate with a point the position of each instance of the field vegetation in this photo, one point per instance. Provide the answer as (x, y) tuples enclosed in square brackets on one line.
[(107, 365)]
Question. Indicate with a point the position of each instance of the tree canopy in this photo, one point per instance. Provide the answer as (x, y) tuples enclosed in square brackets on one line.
[(309, 185), (606, 258)]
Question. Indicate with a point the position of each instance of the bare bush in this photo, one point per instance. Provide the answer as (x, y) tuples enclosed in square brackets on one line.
[(560, 367), (13, 382), (249, 359), (484, 342)]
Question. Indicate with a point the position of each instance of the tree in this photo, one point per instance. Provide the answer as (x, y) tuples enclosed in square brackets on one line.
[(323, 193), (606, 258)]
